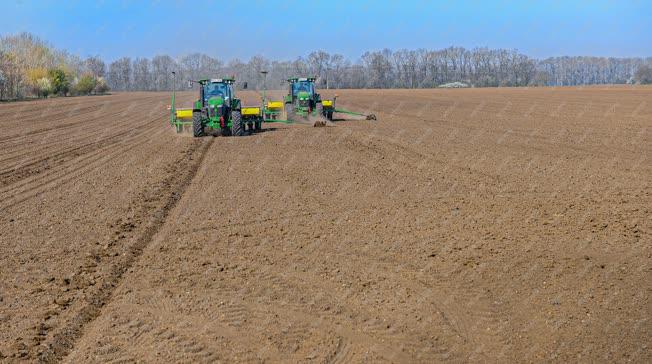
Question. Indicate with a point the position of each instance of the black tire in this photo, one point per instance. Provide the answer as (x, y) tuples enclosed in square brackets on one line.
[(258, 125), (197, 127), (289, 111), (237, 128), (329, 115), (319, 108)]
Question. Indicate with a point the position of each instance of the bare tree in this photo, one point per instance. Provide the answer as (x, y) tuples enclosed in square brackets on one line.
[(142, 78), (95, 66), (643, 74), (120, 74), (162, 68), (198, 66), (318, 62)]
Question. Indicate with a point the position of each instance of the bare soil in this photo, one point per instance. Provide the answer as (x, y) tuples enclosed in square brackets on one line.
[(464, 225)]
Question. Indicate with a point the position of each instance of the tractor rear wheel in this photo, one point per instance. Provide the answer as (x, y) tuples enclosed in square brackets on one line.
[(197, 126), (329, 115), (237, 129)]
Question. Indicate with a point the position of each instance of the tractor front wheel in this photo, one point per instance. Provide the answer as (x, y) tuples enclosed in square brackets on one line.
[(197, 126), (258, 126), (237, 129)]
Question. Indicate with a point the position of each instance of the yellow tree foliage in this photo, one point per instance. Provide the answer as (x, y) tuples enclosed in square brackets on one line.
[(34, 74)]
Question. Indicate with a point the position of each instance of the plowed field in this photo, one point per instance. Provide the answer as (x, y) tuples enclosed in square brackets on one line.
[(464, 225)]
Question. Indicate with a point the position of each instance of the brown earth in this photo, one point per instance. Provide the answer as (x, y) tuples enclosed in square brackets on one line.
[(464, 225)]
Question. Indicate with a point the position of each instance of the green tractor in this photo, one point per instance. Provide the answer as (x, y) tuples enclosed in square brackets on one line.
[(303, 100), (216, 109)]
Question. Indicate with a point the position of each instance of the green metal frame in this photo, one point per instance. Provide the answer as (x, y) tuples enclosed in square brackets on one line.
[(343, 111)]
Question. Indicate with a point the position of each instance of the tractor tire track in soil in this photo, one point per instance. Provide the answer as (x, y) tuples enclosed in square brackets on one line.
[(142, 228)]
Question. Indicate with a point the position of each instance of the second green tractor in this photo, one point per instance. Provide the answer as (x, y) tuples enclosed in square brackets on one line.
[(303, 100)]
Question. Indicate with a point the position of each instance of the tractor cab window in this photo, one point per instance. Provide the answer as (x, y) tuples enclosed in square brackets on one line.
[(217, 89), (302, 86)]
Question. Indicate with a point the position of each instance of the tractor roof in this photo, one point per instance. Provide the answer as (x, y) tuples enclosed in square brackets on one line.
[(297, 79), (217, 80)]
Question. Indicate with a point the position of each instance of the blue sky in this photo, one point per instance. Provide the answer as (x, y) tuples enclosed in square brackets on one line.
[(287, 29)]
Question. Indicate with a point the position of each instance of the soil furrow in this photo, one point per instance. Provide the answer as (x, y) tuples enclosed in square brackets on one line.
[(59, 341), (58, 160), (21, 192)]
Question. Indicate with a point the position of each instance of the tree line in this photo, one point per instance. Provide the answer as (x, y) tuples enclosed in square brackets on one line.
[(479, 67), (30, 67)]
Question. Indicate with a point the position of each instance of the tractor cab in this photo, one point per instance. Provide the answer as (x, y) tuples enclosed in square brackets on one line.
[(302, 86), (218, 91)]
